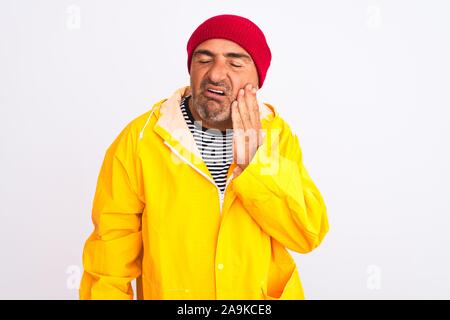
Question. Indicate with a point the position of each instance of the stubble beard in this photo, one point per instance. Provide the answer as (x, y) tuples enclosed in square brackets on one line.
[(214, 112)]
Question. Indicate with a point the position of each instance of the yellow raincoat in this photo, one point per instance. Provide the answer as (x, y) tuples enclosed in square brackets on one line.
[(159, 217)]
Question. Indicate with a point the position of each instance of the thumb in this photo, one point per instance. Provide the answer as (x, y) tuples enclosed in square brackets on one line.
[(237, 171)]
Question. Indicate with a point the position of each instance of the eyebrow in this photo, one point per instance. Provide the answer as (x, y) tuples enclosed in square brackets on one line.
[(227, 55)]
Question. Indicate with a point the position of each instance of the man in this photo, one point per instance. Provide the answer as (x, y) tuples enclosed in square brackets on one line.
[(200, 197)]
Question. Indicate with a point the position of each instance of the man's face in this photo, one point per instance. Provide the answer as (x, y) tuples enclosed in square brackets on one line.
[(221, 65)]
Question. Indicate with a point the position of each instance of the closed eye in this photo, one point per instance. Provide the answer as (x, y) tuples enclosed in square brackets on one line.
[(207, 61)]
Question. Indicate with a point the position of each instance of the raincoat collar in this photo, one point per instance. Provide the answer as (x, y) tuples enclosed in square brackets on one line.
[(173, 129)]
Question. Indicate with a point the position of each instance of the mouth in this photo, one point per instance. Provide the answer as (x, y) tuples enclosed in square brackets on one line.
[(214, 93)]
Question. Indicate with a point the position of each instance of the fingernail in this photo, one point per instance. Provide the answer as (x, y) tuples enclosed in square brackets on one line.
[(254, 90), (241, 92)]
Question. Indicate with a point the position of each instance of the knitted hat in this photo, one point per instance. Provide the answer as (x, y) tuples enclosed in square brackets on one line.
[(239, 30)]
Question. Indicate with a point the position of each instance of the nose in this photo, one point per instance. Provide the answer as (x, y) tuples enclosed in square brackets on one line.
[(217, 72)]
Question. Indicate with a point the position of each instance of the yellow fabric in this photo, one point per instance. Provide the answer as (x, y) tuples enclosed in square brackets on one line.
[(158, 216)]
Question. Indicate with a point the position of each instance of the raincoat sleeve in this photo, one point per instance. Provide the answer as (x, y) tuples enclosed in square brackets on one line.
[(277, 191), (111, 256)]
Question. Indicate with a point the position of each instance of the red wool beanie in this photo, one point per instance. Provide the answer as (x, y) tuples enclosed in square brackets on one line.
[(239, 30)]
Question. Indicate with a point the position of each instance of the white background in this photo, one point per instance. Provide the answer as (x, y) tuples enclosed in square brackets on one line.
[(364, 84)]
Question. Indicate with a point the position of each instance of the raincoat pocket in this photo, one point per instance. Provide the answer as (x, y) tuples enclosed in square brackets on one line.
[(283, 284)]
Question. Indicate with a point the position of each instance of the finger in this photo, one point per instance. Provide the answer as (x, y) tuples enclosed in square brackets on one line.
[(257, 118), (237, 171), (238, 134), (252, 104), (258, 123), (255, 111), (250, 100), (253, 133), (243, 110), (236, 116)]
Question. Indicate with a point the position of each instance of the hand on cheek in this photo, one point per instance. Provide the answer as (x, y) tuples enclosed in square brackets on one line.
[(246, 128)]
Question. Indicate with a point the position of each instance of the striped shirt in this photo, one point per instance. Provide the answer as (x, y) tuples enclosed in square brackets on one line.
[(215, 146)]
